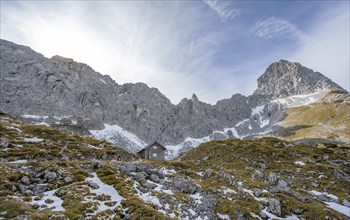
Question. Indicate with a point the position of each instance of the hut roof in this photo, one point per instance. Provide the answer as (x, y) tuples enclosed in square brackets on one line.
[(156, 142)]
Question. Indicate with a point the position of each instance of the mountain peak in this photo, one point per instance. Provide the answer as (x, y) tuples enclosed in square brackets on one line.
[(285, 78), (194, 98)]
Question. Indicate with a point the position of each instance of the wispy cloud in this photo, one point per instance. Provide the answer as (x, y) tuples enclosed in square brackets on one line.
[(223, 8), (326, 47), (130, 41), (273, 27)]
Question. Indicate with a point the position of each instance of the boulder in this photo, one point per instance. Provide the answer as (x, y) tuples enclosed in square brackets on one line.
[(185, 185), (282, 183), (154, 178), (50, 176), (258, 175), (60, 192), (346, 203), (22, 188), (13, 188), (25, 180), (93, 185), (39, 188), (142, 167), (4, 142), (275, 207), (139, 177), (228, 177), (273, 178), (97, 164), (131, 167), (298, 211), (148, 185), (68, 179), (207, 173), (341, 175), (325, 198), (257, 192)]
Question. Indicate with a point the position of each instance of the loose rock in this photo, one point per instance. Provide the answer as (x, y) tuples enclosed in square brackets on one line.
[(93, 185), (275, 207), (154, 178), (185, 185), (68, 179), (4, 142), (273, 178), (25, 180)]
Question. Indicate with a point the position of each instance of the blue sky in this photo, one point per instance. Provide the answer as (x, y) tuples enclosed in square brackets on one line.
[(211, 48)]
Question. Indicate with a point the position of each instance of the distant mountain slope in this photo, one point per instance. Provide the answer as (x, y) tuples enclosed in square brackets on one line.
[(328, 119), (69, 95)]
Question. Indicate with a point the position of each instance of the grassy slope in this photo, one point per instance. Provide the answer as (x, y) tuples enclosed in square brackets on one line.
[(62, 152), (56, 145), (241, 158), (328, 119)]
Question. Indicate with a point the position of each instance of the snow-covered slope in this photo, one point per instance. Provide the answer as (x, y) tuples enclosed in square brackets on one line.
[(115, 133)]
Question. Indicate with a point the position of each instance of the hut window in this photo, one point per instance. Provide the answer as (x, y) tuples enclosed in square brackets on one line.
[(154, 147), (154, 155)]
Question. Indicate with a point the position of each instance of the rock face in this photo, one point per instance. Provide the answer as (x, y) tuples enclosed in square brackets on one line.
[(69, 95), (282, 79)]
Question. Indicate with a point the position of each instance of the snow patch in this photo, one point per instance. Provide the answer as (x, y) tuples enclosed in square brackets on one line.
[(38, 117), (299, 100), (34, 139), (59, 118), (299, 163), (272, 216), (197, 198), (258, 110), (106, 190), (339, 208), (42, 123), (223, 217), (226, 190), (264, 123), (19, 161), (234, 132), (57, 201), (174, 150), (147, 197), (335, 206)]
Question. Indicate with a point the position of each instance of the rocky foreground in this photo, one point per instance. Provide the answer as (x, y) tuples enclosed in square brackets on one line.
[(51, 174)]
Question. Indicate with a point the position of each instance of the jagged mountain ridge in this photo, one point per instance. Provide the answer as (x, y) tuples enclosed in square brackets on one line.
[(71, 95)]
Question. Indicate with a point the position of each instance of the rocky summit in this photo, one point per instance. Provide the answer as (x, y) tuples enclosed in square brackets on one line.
[(282, 79), (68, 136)]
